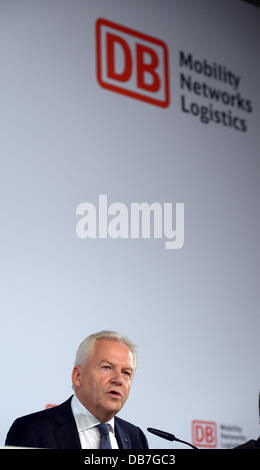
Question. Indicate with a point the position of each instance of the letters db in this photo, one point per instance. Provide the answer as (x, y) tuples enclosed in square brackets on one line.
[(132, 63), (204, 433)]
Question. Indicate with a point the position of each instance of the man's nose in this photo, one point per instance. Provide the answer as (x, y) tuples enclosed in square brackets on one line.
[(117, 377)]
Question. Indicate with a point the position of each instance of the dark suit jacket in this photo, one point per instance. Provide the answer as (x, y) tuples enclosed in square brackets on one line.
[(55, 428), (252, 444)]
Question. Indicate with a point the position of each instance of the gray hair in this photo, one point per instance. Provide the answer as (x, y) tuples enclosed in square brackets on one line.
[(87, 344)]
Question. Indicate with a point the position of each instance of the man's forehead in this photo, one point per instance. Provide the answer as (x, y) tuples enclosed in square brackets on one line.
[(110, 348)]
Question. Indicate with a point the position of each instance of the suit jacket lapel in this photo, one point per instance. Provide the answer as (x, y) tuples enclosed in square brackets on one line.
[(65, 429), (122, 436)]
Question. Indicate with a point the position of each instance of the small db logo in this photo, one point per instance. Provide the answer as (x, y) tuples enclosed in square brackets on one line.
[(204, 433), (132, 63)]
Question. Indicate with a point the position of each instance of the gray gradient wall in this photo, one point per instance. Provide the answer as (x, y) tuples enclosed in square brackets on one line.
[(193, 312)]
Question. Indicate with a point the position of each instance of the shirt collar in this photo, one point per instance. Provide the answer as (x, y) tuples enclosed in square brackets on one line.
[(84, 419)]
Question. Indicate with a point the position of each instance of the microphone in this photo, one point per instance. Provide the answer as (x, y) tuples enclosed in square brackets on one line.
[(168, 436)]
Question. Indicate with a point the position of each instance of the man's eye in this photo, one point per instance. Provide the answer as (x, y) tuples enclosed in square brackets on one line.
[(106, 367), (126, 372)]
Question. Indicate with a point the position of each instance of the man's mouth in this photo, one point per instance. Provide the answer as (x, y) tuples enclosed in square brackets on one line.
[(114, 394)]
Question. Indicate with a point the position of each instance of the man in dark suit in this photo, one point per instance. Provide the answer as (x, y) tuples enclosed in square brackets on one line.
[(102, 377), (253, 443)]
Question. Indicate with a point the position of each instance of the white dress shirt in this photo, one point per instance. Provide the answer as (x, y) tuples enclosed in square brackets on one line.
[(87, 426)]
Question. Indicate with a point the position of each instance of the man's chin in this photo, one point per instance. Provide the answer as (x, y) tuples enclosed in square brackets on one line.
[(113, 405)]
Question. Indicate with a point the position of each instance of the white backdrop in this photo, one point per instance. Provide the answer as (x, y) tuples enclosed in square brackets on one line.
[(65, 139)]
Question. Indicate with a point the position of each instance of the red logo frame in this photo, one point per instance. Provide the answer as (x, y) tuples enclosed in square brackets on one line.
[(164, 103), (204, 427)]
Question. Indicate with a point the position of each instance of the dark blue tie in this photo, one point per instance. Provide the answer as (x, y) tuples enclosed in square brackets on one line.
[(104, 433)]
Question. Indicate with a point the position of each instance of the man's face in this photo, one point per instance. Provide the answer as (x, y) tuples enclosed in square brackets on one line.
[(103, 385)]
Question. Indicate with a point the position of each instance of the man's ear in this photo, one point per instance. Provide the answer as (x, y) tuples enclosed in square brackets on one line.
[(76, 376)]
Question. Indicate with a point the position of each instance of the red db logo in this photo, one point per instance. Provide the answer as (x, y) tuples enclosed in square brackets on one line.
[(204, 433), (132, 63)]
